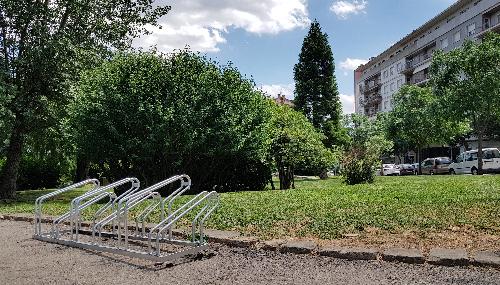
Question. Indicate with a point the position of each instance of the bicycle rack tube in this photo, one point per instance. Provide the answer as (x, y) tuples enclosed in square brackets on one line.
[(110, 230)]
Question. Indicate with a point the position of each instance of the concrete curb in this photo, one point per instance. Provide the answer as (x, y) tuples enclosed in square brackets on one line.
[(437, 256), (298, 247), (486, 258), (403, 255), (350, 253), (448, 257)]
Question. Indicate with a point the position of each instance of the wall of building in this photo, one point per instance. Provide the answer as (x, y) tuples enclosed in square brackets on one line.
[(446, 32), (392, 80)]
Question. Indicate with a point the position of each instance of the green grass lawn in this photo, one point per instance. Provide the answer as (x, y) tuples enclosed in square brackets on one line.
[(327, 209)]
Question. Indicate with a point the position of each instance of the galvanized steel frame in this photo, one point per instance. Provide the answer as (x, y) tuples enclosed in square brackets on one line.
[(118, 209)]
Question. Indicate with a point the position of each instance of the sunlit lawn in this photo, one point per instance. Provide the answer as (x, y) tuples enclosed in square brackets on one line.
[(327, 209)]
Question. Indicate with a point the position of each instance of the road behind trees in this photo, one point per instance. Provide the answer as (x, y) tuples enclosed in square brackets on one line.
[(27, 261)]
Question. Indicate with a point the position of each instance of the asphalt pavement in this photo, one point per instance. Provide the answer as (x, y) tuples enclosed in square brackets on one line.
[(24, 260)]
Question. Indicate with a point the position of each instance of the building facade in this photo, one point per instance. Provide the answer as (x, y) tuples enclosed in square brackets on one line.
[(282, 100), (408, 61)]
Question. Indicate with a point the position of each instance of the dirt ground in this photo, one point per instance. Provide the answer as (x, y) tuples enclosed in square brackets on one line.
[(27, 261), (454, 237)]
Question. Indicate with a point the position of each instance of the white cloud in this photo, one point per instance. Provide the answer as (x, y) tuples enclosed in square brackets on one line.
[(203, 25), (345, 8), (351, 64), (347, 103), (284, 89)]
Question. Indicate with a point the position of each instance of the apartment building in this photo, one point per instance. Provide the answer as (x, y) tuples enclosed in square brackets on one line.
[(408, 61)]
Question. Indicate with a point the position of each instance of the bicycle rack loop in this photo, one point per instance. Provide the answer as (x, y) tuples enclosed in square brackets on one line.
[(109, 229)]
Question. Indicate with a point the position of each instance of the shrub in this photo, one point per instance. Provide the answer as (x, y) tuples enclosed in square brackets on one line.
[(358, 167), (147, 116), (38, 174), (296, 145), (368, 144)]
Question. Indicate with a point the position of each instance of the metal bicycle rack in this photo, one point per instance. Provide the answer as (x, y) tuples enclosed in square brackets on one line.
[(111, 229)]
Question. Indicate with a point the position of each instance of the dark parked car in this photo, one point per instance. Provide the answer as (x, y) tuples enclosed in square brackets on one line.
[(437, 165), (406, 169)]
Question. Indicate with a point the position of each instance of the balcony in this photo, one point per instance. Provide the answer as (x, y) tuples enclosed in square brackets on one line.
[(373, 85), (416, 62), (421, 81), (480, 32), (372, 100), (420, 78), (409, 68)]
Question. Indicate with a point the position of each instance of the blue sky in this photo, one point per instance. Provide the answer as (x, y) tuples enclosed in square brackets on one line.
[(263, 38)]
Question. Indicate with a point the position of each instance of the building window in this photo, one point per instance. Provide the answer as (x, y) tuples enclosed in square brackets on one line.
[(457, 37), (400, 82), (486, 23), (471, 29), (385, 74), (385, 89), (399, 66), (392, 86), (392, 70), (444, 43)]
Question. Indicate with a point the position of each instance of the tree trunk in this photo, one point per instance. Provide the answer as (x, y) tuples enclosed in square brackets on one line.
[(480, 153), (8, 177), (82, 168), (285, 177)]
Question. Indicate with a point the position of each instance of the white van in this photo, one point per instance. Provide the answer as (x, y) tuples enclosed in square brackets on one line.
[(466, 162)]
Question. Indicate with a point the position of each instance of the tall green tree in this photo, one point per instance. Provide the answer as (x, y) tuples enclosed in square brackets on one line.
[(43, 46), (467, 83), (418, 121), (316, 92), (411, 119)]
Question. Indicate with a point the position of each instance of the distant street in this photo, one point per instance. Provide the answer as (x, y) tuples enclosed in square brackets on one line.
[(27, 261)]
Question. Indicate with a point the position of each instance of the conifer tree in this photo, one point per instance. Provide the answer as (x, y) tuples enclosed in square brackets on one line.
[(316, 92)]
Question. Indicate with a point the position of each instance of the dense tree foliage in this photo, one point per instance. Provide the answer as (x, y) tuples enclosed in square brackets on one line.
[(467, 84), (295, 143), (151, 117), (316, 92), (418, 120), (413, 118), (43, 46)]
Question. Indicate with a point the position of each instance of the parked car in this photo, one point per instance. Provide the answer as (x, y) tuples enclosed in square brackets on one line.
[(390, 169), (436, 165), (406, 169), (466, 162)]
